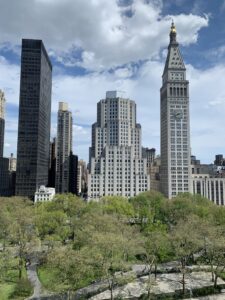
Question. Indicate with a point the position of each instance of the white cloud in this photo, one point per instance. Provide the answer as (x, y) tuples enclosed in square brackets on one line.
[(95, 34), (9, 80), (83, 92), (206, 87)]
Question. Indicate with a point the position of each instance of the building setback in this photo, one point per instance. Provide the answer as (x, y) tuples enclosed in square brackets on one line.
[(116, 164), (175, 124), (34, 118), (64, 148), (2, 122)]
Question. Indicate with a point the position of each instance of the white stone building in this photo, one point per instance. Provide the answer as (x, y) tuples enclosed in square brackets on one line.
[(12, 163), (44, 194), (82, 177), (116, 165), (211, 187)]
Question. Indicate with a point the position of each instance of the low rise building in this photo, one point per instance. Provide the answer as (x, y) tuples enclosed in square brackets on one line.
[(209, 180), (212, 188), (44, 194)]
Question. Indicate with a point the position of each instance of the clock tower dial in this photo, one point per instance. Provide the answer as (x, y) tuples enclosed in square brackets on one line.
[(178, 114), (175, 124)]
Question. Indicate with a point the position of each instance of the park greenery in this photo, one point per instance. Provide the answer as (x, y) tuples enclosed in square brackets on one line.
[(79, 243)]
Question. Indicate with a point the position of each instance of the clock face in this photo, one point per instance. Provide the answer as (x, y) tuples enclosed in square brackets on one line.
[(178, 114)]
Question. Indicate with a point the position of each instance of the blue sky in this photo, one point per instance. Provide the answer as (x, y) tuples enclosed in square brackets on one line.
[(99, 45)]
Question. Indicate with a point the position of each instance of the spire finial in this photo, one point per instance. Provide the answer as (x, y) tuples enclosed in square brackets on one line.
[(173, 33), (173, 28)]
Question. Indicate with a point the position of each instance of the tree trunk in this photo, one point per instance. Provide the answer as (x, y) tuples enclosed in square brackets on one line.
[(149, 285), (20, 267), (183, 264), (155, 271), (212, 273), (183, 283), (215, 280), (111, 292)]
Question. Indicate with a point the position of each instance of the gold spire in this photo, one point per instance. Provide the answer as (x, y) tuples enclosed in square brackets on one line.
[(173, 28)]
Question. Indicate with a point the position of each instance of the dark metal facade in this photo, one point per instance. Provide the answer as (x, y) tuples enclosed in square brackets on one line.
[(2, 131), (34, 118)]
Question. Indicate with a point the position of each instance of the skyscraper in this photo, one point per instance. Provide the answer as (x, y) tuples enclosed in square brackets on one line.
[(175, 123), (52, 164), (64, 148), (2, 122), (116, 164), (34, 118)]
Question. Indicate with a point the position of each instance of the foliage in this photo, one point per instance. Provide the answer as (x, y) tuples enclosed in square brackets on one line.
[(23, 288), (83, 242)]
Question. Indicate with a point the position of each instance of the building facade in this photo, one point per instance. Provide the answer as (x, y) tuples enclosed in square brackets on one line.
[(2, 122), (52, 164), (73, 174), (44, 194), (34, 118), (210, 187), (82, 178), (64, 148), (12, 163), (7, 178), (175, 123), (116, 165), (150, 155)]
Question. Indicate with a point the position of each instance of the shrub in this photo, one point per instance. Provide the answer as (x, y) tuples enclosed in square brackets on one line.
[(23, 288)]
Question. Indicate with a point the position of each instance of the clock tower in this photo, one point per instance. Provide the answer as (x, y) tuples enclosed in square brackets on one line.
[(175, 123)]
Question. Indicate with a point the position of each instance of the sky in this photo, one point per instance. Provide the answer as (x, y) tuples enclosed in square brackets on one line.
[(101, 45)]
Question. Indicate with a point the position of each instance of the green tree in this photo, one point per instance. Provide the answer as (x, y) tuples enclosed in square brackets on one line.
[(22, 230), (214, 250), (117, 205), (186, 239), (148, 207)]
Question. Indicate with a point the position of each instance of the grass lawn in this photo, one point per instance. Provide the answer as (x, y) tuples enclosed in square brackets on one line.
[(6, 290), (9, 281), (48, 280)]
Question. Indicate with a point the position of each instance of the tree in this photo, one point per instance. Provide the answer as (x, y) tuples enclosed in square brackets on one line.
[(117, 205), (22, 230), (51, 223), (186, 239), (72, 268), (5, 222), (148, 207), (114, 249), (214, 250)]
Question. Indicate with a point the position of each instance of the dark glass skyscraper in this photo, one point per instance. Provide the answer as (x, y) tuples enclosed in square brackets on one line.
[(2, 122), (34, 118)]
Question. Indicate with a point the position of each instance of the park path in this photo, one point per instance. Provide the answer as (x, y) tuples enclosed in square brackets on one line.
[(213, 297), (33, 278)]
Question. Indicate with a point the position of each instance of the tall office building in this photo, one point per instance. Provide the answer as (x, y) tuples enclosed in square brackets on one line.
[(52, 164), (73, 171), (2, 122), (175, 124), (116, 164), (34, 118), (64, 148)]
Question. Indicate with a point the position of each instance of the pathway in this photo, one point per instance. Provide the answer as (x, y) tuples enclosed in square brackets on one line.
[(33, 278)]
